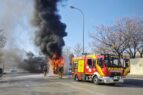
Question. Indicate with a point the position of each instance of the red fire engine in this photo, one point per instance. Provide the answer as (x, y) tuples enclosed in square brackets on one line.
[(104, 68)]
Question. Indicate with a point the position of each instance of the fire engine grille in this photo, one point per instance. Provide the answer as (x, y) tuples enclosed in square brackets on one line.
[(112, 74)]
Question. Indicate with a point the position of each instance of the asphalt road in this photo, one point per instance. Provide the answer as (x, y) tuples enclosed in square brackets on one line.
[(38, 85)]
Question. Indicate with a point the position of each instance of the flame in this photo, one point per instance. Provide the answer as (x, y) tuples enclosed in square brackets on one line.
[(55, 62)]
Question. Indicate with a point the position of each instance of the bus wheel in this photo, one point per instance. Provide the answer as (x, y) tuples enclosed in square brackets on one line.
[(76, 78), (95, 80)]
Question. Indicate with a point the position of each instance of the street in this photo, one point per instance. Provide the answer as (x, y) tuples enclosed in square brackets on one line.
[(38, 85)]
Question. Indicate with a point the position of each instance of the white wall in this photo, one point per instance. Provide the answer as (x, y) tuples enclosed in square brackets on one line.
[(136, 66)]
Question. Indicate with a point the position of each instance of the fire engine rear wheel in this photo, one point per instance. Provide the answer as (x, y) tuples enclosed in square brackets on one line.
[(95, 80)]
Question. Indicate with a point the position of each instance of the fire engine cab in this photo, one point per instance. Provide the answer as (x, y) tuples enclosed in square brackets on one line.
[(104, 68)]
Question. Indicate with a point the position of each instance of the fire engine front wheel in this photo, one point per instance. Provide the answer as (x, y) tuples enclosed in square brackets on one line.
[(76, 78), (95, 80)]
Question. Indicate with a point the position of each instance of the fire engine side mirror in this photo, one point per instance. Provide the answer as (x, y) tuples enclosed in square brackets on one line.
[(126, 63)]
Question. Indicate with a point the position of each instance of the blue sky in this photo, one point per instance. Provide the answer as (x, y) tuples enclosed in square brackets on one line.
[(96, 12), (15, 20)]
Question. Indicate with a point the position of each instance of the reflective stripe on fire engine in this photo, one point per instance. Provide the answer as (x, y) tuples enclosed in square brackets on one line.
[(89, 70), (99, 69), (115, 69), (80, 65), (96, 73), (127, 70), (110, 68), (87, 67)]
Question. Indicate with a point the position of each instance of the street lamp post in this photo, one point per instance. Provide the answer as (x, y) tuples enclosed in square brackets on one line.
[(82, 23)]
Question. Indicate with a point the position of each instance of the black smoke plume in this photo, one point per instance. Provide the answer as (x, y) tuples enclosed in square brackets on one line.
[(50, 33)]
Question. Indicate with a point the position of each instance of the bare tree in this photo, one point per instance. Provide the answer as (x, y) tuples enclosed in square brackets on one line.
[(2, 39), (124, 35), (67, 50), (133, 32), (2, 44), (99, 48), (110, 38), (77, 50), (140, 50)]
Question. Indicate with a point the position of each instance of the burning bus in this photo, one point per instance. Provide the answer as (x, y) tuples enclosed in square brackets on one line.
[(60, 65)]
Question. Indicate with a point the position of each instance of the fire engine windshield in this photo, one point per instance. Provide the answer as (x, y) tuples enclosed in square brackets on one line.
[(113, 62)]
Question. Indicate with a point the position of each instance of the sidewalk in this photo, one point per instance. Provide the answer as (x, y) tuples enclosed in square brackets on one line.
[(30, 76), (134, 76)]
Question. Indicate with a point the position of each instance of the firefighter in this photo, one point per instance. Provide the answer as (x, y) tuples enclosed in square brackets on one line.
[(61, 67), (126, 62), (45, 70)]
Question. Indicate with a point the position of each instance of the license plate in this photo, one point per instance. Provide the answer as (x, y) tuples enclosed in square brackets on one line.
[(116, 78)]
